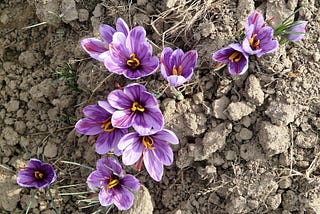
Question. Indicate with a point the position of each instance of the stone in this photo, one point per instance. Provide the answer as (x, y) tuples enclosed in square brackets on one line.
[(83, 15), (98, 10), (198, 98), (20, 126), (251, 151), (238, 110), (10, 193), (306, 140), (274, 139), (213, 140), (219, 106), (253, 91), (285, 183), (50, 150), (142, 202), (12, 105), (244, 134), (283, 114), (29, 59), (11, 136), (69, 11), (274, 201)]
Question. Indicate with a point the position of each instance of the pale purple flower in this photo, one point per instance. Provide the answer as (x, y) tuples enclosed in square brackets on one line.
[(37, 174), (131, 55), (258, 37), (235, 56), (296, 33), (137, 108), (98, 122), (96, 48), (153, 150), (177, 66), (113, 185)]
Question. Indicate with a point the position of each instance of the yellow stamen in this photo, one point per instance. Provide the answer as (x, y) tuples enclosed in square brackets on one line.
[(236, 56), (107, 126), (252, 42), (136, 106), (148, 142), (106, 47), (112, 183), (133, 61), (175, 71), (38, 175)]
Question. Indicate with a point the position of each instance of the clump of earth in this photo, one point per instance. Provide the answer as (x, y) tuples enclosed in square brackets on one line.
[(248, 144)]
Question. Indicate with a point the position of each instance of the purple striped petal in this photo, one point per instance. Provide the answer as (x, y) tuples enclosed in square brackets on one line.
[(297, 32), (96, 113), (123, 198), (136, 37), (163, 152), (176, 81), (153, 165), (133, 91), (106, 33), (133, 152), (119, 100), (95, 180), (255, 19), (106, 196), (131, 182), (123, 119), (104, 142), (166, 135), (122, 26), (106, 106), (150, 121), (88, 127), (94, 48)]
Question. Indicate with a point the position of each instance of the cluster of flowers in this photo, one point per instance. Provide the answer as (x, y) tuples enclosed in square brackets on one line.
[(259, 40), (127, 52)]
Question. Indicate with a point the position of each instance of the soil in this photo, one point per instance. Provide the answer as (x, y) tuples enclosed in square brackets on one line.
[(248, 144)]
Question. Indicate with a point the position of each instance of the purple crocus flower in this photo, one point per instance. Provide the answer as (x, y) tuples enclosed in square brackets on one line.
[(259, 38), (136, 107), (296, 33), (96, 48), (114, 186), (131, 55), (235, 56), (153, 150), (177, 66), (37, 174), (98, 122)]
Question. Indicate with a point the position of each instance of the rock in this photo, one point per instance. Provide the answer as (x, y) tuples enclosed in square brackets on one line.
[(12, 105), (20, 127), (285, 183), (274, 139), (83, 15), (98, 10), (47, 11), (219, 106), (290, 200), (142, 202), (230, 155), (306, 140), (283, 114), (253, 90), (212, 141), (251, 151), (10, 193), (142, 2), (244, 9), (11, 136), (238, 110), (274, 201), (29, 59), (69, 11), (244, 134), (50, 150), (198, 98), (237, 205)]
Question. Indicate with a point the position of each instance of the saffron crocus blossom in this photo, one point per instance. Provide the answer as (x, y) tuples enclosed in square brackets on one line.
[(153, 150), (96, 48), (177, 66), (131, 55), (296, 33), (235, 56), (37, 174), (98, 122), (137, 108), (259, 38), (114, 186)]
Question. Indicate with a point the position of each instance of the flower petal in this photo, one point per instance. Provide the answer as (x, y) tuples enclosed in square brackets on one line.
[(127, 140), (104, 143), (123, 198), (297, 32), (119, 100), (166, 67), (106, 106), (114, 165), (176, 80), (88, 126), (147, 100), (103, 169), (136, 37), (129, 181), (95, 180), (176, 57), (123, 119), (163, 152), (166, 136), (238, 68), (96, 113), (122, 26), (148, 122), (223, 54), (106, 197), (189, 60), (106, 33), (94, 47), (255, 19), (26, 178), (133, 91), (153, 165), (133, 152)]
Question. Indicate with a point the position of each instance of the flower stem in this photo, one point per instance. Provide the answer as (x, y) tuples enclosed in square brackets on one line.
[(52, 201), (31, 200)]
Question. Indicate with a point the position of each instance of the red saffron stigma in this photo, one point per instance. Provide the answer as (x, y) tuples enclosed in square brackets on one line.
[(138, 164), (119, 86)]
